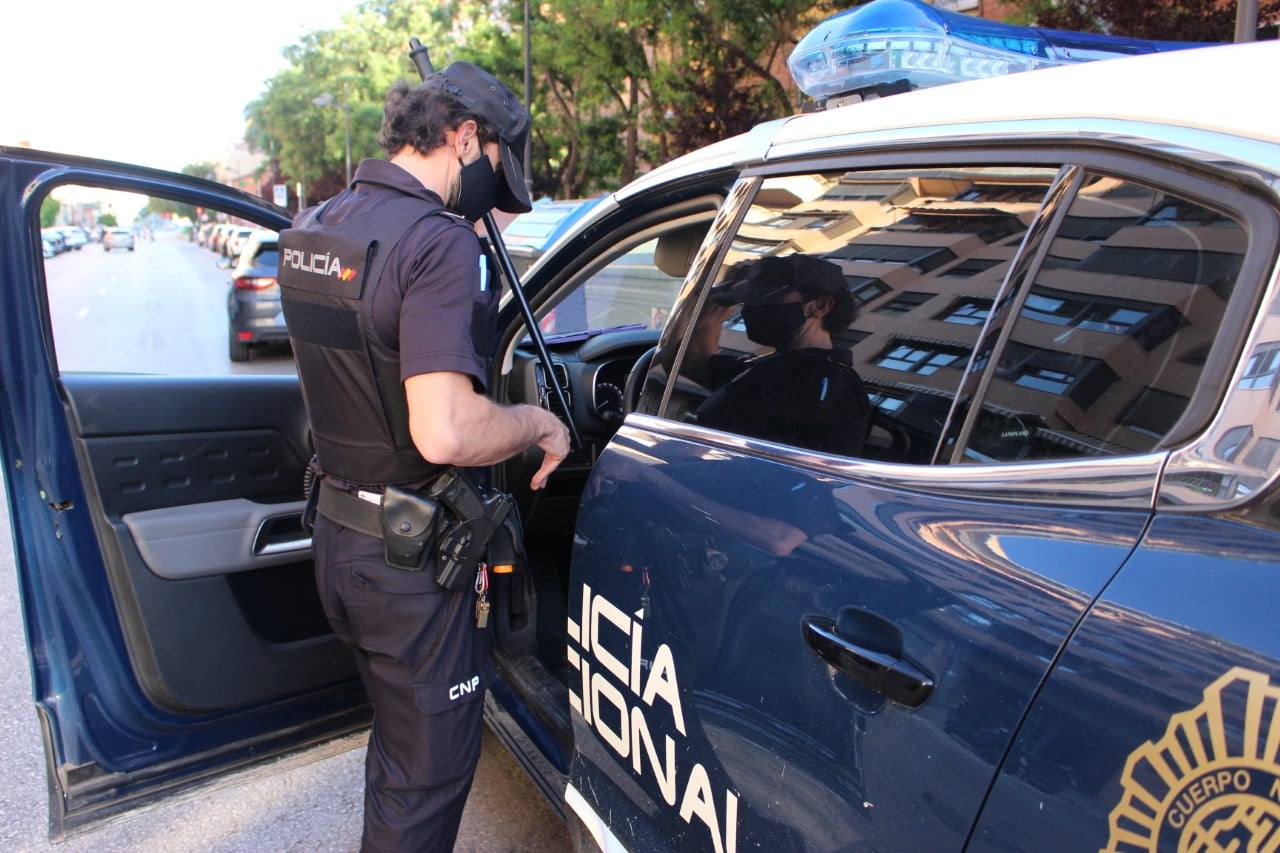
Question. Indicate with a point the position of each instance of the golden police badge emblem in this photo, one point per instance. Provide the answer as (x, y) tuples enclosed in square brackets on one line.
[(1212, 782)]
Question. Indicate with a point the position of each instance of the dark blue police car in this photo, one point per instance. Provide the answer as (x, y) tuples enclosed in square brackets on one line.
[(1035, 611)]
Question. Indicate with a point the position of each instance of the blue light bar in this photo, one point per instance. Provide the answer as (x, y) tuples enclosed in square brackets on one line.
[(891, 45)]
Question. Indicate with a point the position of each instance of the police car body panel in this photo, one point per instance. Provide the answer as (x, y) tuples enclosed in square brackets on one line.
[(796, 751), (1034, 613), (768, 753), (144, 684), (1172, 693)]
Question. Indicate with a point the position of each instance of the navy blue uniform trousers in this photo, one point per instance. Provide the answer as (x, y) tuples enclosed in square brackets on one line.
[(425, 666)]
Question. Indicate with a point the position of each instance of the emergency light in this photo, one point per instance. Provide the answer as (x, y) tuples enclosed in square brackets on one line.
[(889, 46)]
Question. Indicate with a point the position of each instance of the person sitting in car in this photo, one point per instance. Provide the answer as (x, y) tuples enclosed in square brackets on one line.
[(801, 389)]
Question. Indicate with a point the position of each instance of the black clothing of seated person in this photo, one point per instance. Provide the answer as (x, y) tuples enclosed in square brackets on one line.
[(806, 391)]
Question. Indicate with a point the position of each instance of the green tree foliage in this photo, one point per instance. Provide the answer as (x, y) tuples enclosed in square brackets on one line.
[(49, 210), (179, 209), (1174, 20), (726, 71), (356, 64), (619, 86), (204, 169), (108, 220), (623, 85)]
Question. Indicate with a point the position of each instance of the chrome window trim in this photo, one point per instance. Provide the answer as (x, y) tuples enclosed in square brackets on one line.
[(1168, 479), (1193, 467), (1117, 483)]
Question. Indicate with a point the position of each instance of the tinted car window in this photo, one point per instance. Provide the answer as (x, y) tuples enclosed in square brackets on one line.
[(922, 253), (268, 257), (1108, 345)]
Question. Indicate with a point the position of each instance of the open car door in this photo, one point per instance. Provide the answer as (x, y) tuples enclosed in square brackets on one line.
[(155, 490)]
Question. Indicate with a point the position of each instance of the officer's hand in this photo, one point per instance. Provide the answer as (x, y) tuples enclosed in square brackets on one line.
[(555, 445)]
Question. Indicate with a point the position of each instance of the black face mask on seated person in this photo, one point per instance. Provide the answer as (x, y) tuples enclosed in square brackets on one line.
[(476, 191), (773, 324)]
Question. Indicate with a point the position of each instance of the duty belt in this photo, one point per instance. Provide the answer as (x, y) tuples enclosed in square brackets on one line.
[(452, 519), (406, 522), (343, 507)]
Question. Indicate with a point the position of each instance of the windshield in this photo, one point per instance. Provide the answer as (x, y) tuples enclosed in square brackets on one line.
[(630, 292)]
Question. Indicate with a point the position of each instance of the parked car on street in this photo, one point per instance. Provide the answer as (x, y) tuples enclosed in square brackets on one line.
[(235, 240), (75, 237), (1033, 611), (117, 238), (253, 298), (528, 235), (55, 238), (218, 238)]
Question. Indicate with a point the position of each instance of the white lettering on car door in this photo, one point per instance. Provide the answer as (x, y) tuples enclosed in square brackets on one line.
[(620, 689)]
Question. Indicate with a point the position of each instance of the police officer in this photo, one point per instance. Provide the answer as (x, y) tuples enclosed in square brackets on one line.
[(391, 312), (804, 390)]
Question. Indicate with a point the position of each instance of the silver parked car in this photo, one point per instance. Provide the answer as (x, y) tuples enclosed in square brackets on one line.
[(117, 238)]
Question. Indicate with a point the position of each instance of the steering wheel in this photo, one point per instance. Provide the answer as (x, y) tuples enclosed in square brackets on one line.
[(635, 381)]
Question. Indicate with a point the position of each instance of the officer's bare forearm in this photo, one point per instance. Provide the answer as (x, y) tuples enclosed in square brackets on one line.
[(453, 425), (489, 438)]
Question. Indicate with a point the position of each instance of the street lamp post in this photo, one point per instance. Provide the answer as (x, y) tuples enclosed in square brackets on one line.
[(528, 100), (1246, 20), (328, 100)]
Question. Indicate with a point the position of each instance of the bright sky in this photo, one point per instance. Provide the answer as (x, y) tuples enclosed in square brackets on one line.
[(155, 82)]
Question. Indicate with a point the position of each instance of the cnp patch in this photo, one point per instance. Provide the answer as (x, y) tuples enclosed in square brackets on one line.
[(1212, 783)]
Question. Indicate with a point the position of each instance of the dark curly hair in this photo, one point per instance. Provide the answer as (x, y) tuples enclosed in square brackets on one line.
[(420, 115), (843, 312)]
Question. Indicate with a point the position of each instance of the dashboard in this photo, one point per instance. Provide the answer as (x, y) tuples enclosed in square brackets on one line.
[(592, 372)]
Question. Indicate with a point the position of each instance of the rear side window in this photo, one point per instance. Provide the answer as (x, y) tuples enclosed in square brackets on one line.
[(921, 255), (268, 256), (1109, 343), (1090, 339)]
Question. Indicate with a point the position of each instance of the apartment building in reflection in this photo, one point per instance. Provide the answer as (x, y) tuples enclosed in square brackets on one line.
[(1102, 333)]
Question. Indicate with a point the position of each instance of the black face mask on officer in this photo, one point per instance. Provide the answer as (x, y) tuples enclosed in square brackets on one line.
[(775, 323), (476, 191)]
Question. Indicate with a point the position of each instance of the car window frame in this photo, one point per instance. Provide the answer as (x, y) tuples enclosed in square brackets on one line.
[(604, 248), (1125, 481)]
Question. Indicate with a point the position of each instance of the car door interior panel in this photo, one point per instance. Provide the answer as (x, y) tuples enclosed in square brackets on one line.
[(203, 534), (218, 537)]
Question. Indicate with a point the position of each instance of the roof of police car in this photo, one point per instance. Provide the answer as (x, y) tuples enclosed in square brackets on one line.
[(1216, 88)]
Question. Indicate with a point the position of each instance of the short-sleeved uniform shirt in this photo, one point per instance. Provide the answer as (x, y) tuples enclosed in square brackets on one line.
[(435, 301)]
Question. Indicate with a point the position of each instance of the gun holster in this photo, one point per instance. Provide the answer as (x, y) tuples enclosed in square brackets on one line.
[(409, 523), (465, 538)]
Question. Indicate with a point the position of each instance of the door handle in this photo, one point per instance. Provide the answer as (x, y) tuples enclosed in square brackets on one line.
[(891, 676), (281, 534)]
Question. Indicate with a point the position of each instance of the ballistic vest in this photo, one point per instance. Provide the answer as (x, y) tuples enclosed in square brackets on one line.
[(350, 378)]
